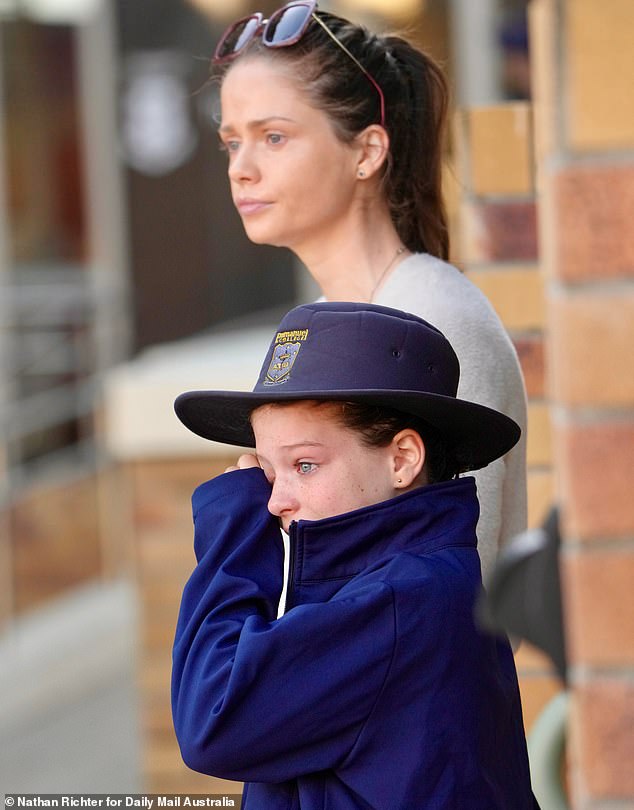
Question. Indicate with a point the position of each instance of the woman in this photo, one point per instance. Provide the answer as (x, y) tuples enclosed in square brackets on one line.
[(375, 689), (335, 142)]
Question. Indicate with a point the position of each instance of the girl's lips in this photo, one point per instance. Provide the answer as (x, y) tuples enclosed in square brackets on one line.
[(246, 207)]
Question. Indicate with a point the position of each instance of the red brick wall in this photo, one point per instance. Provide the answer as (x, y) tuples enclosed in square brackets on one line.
[(497, 246), (583, 63)]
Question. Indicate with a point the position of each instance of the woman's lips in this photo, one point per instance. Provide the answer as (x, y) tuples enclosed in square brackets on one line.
[(248, 206)]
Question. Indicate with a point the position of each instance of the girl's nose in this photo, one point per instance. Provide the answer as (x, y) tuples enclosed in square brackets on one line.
[(282, 503)]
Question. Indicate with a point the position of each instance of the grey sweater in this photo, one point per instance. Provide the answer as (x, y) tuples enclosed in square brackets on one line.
[(489, 374)]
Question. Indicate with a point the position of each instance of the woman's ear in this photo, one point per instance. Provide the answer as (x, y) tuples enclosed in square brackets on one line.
[(408, 459), (373, 146)]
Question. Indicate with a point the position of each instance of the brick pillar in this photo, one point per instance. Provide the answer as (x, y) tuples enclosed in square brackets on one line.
[(496, 244), (160, 491), (583, 64)]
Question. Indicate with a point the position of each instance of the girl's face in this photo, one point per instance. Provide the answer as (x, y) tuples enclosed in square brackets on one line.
[(292, 180), (317, 467)]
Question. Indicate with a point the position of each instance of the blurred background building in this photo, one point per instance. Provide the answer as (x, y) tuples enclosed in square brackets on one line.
[(125, 278)]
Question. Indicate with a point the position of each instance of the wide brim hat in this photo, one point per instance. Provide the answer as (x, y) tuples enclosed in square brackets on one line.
[(358, 353)]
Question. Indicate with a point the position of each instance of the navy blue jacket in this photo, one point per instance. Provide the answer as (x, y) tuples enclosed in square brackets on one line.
[(375, 689)]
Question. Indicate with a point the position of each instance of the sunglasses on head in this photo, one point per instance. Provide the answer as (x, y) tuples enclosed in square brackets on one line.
[(285, 27)]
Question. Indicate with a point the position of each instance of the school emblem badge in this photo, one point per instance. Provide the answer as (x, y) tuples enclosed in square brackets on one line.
[(285, 351)]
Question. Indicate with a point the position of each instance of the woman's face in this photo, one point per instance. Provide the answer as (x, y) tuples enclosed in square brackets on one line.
[(292, 180), (317, 467)]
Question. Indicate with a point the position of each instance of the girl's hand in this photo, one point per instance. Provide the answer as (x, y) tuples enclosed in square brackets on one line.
[(245, 461)]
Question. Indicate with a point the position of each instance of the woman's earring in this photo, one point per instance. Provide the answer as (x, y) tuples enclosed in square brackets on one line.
[(361, 173)]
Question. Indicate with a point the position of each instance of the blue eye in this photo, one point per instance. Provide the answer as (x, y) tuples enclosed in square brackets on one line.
[(305, 467), (228, 146)]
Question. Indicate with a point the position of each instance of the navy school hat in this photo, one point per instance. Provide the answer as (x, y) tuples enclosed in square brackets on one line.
[(358, 353)]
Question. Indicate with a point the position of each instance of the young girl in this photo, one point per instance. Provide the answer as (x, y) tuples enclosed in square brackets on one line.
[(375, 688), (335, 141)]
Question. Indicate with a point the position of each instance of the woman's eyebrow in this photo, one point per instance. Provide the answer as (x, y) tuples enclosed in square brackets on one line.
[(256, 123)]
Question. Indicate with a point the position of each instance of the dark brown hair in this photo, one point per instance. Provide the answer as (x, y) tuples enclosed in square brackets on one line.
[(378, 426), (416, 102)]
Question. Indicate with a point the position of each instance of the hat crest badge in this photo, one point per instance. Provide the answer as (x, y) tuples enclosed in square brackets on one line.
[(285, 351)]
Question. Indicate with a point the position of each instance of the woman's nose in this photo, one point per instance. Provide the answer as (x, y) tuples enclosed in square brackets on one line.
[(243, 166)]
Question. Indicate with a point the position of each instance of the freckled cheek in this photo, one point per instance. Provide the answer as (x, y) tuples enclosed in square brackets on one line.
[(353, 493), (367, 491), (325, 502)]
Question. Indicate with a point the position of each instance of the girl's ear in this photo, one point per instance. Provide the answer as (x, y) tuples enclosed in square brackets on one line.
[(373, 146), (408, 459)]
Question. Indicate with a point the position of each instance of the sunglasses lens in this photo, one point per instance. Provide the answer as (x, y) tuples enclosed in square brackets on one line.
[(287, 25), (237, 37)]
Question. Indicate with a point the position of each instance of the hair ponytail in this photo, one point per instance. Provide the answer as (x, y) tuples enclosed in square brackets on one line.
[(416, 122)]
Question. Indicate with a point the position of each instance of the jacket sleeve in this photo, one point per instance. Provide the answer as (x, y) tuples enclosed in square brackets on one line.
[(254, 697)]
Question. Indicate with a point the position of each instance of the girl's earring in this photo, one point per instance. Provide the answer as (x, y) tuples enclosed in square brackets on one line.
[(361, 173)]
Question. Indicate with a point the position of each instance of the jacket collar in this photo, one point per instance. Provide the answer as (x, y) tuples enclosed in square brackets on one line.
[(423, 520)]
